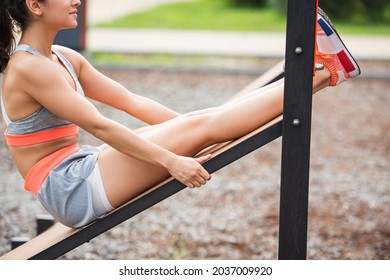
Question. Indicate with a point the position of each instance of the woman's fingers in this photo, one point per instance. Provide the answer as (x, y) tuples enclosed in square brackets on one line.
[(202, 176), (199, 181), (199, 178), (203, 159), (190, 172), (203, 172)]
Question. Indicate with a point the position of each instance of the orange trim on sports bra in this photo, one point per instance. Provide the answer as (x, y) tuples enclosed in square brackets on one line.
[(41, 136), (39, 172)]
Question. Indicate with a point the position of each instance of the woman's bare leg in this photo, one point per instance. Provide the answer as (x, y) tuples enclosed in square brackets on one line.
[(317, 85), (125, 177)]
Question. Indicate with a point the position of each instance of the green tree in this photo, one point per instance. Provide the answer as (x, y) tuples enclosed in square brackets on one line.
[(360, 11), (248, 3)]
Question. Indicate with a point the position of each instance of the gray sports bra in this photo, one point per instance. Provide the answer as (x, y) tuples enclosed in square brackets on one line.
[(42, 119)]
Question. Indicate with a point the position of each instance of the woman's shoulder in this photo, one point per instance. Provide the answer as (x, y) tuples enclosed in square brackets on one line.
[(65, 51), (33, 70), (75, 58), (23, 64)]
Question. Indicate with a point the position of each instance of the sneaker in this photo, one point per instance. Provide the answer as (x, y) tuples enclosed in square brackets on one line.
[(332, 53)]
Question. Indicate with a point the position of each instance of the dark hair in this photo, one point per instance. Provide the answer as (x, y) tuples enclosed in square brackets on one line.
[(14, 17)]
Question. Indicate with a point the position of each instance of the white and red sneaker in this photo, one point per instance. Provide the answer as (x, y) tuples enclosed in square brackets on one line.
[(332, 53)]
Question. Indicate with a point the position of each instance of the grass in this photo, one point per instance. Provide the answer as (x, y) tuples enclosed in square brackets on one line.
[(149, 60), (182, 62), (202, 15), (217, 15)]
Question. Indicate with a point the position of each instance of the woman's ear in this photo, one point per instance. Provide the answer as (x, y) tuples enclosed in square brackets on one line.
[(35, 7)]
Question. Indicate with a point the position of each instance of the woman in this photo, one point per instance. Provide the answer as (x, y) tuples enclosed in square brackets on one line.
[(43, 104)]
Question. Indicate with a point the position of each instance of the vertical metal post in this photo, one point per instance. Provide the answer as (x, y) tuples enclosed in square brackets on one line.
[(301, 16), (44, 222), (18, 241)]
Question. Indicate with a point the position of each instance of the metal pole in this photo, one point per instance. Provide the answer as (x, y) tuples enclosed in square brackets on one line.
[(301, 16)]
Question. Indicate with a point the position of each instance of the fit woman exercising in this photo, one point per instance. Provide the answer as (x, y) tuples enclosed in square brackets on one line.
[(43, 104)]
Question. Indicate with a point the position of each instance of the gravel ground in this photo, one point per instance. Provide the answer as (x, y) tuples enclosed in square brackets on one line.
[(236, 215)]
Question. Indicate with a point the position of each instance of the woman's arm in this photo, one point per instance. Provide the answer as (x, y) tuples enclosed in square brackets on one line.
[(51, 89), (103, 89)]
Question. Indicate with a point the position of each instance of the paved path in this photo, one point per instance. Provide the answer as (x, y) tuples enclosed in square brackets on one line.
[(201, 42), (218, 43)]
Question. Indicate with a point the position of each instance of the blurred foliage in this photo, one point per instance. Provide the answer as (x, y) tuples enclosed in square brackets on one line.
[(262, 16), (248, 3), (358, 11)]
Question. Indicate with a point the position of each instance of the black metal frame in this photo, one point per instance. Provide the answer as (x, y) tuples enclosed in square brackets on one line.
[(300, 41)]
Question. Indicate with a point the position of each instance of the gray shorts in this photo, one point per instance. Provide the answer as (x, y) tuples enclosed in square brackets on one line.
[(67, 193)]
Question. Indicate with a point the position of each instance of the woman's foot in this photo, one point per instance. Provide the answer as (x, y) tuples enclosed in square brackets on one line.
[(332, 53)]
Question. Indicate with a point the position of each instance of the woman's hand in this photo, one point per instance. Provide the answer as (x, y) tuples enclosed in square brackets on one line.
[(189, 171)]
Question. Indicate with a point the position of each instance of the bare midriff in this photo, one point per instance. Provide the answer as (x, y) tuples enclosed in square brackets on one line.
[(25, 157)]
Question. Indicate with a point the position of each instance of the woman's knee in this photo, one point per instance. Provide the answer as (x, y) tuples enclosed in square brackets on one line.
[(195, 121), (201, 126)]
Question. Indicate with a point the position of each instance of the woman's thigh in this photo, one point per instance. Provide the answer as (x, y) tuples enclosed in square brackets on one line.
[(125, 177)]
